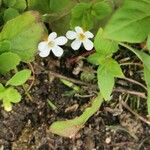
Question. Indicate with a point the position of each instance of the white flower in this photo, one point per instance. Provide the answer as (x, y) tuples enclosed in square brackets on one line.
[(52, 44), (80, 37)]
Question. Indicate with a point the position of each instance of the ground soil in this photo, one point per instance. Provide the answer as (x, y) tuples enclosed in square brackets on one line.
[(113, 127)]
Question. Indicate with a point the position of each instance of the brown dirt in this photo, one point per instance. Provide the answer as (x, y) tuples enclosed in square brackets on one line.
[(27, 126)]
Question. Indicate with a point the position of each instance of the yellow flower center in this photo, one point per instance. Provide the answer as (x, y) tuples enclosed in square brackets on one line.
[(51, 44), (82, 37)]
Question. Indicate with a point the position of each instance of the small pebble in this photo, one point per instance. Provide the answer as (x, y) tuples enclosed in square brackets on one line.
[(108, 140)]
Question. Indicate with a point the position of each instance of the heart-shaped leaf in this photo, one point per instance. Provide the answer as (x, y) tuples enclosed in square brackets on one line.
[(24, 33), (130, 23), (8, 61)]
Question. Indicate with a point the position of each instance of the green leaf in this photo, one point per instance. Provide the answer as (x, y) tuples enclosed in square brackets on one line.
[(0, 3), (43, 6), (9, 3), (96, 58), (148, 42), (10, 13), (105, 82), (20, 5), (130, 23), (114, 68), (69, 128), (81, 16), (145, 58), (62, 25), (24, 32), (106, 74), (56, 5), (104, 46), (60, 21), (147, 79), (5, 46), (8, 61), (2, 89), (10, 95), (101, 9), (19, 78)]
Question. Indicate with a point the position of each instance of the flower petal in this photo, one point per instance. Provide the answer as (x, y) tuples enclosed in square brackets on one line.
[(62, 40), (58, 51), (44, 53), (88, 45), (43, 49), (71, 35), (88, 34), (52, 36), (42, 46), (78, 29), (76, 44)]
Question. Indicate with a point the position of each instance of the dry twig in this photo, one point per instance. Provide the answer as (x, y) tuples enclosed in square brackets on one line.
[(134, 113)]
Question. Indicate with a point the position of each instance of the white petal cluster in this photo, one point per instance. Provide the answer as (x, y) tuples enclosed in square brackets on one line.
[(53, 43), (80, 37)]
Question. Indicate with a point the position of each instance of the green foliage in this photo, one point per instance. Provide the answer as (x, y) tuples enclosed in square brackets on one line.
[(10, 13), (8, 61), (9, 96), (9, 3), (148, 42), (21, 34), (83, 14), (39, 5), (19, 78), (96, 58), (5, 45), (0, 3), (108, 68), (106, 74), (69, 128), (9, 9), (130, 23), (47, 6), (58, 18), (20, 5), (101, 10), (56, 5), (147, 79), (145, 58), (24, 32), (104, 46)]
